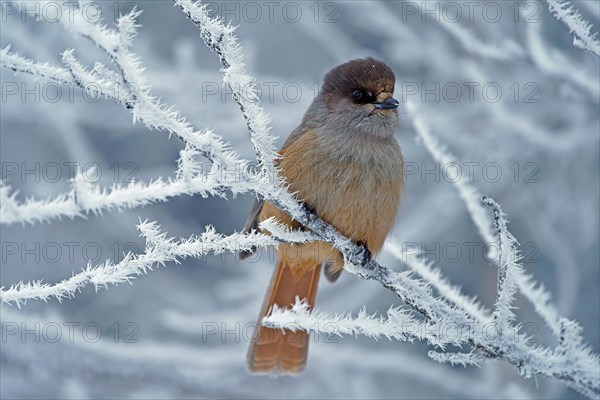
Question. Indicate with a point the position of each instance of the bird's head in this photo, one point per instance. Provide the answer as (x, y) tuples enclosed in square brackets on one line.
[(358, 95)]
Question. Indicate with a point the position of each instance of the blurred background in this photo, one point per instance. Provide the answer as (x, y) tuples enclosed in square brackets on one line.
[(500, 84)]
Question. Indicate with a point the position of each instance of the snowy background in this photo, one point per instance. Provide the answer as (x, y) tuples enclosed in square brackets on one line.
[(182, 330)]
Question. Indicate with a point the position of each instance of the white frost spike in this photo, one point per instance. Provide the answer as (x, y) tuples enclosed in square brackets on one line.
[(425, 270), (87, 197), (219, 37), (160, 249), (399, 324), (584, 38), (509, 269), (535, 293), (463, 359), (283, 233)]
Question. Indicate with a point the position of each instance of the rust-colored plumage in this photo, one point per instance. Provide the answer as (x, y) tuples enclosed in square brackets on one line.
[(345, 164)]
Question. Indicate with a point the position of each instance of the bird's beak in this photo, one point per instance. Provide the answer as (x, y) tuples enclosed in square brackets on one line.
[(387, 104)]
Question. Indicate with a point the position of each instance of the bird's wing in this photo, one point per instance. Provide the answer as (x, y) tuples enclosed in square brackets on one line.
[(252, 224), (252, 220)]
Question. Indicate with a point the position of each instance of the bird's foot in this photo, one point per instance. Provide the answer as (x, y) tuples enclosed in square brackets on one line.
[(364, 254)]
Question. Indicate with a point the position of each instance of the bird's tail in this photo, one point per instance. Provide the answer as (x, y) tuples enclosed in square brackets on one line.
[(277, 351)]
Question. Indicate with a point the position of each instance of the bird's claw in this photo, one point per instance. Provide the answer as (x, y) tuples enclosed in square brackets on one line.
[(310, 208), (365, 253)]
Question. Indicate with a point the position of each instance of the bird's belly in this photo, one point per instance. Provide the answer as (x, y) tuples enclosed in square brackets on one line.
[(355, 185), (359, 199)]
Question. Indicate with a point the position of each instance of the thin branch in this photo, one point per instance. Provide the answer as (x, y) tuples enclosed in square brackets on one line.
[(463, 359), (159, 250), (87, 198), (536, 294), (398, 325), (507, 50), (434, 277), (220, 38), (584, 38), (128, 87), (554, 63), (509, 270)]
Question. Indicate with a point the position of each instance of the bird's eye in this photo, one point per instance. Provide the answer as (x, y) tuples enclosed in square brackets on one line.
[(357, 94)]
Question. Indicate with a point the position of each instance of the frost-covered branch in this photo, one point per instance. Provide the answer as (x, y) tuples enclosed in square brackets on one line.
[(469, 194), (159, 250), (192, 177), (434, 277), (127, 85), (555, 63), (220, 38), (463, 359), (511, 274), (509, 270), (43, 70), (497, 339), (300, 317), (571, 362), (506, 50), (584, 38), (534, 292)]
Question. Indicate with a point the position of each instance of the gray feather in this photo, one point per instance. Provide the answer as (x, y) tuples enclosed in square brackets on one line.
[(252, 224)]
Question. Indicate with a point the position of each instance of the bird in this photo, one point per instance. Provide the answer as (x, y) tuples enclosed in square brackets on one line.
[(344, 164)]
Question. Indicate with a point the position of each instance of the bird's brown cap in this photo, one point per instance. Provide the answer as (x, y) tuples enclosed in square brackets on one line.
[(367, 74)]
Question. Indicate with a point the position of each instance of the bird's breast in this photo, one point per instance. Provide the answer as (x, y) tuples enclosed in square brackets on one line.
[(356, 187)]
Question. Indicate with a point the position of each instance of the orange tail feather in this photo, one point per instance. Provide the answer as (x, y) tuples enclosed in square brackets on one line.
[(277, 351)]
